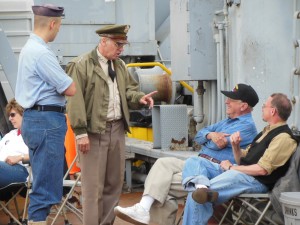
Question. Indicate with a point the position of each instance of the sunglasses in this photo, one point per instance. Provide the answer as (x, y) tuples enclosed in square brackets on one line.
[(12, 115)]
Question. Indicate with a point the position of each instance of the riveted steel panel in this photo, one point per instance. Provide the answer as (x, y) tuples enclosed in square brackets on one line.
[(170, 126)]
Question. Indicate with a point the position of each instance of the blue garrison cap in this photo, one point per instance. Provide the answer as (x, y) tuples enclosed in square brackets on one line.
[(48, 10)]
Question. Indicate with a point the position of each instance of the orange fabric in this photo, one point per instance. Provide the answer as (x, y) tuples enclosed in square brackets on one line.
[(70, 148)]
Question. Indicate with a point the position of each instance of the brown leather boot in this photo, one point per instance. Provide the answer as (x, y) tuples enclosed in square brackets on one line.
[(37, 223)]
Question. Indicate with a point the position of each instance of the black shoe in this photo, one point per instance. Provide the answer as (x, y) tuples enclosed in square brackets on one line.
[(203, 195)]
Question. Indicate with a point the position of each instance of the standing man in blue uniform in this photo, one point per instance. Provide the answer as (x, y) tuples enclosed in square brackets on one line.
[(41, 89)]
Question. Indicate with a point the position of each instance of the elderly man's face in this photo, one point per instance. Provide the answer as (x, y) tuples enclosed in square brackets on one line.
[(234, 107), (112, 48)]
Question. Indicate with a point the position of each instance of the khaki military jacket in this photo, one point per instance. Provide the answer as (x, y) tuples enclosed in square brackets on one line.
[(87, 109)]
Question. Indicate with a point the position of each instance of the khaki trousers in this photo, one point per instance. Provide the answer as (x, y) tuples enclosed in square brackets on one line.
[(102, 170), (163, 183)]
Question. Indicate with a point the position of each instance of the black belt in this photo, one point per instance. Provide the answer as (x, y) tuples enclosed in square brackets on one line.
[(113, 121), (209, 158), (60, 109)]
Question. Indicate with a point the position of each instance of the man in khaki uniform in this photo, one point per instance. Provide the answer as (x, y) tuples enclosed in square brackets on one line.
[(99, 117)]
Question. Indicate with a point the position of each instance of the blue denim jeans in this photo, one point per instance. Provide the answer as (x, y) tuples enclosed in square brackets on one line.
[(44, 134), (12, 174), (228, 183)]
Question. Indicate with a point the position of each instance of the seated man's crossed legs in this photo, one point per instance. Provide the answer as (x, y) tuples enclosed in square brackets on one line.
[(162, 189)]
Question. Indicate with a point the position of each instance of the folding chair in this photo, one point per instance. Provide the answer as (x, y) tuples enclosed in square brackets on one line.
[(65, 204), (8, 195), (248, 209), (68, 186)]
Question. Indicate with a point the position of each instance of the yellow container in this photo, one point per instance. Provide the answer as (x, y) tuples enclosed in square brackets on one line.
[(141, 133)]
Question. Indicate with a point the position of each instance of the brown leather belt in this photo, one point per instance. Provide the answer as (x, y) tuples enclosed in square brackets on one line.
[(209, 158)]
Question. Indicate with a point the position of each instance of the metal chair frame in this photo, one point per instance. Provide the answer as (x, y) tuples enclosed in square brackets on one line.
[(61, 208), (14, 190), (247, 203)]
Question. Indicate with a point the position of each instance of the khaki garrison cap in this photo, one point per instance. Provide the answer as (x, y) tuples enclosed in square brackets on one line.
[(118, 32), (48, 10)]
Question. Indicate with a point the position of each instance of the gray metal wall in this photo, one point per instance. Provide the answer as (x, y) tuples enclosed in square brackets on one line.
[(77, 34), (250, 41), (262, 53), (15, 27), (193, 51)]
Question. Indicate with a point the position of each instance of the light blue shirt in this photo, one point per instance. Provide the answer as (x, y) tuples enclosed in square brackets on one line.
[(244, 124), (40, 80)]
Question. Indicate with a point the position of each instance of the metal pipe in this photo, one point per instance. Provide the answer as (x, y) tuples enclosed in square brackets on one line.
[(293, 92), (209, 99), (214, 95), (227, 78), (187, 86), (198, 103), (218, 105), (296, 44), (296, 94), (222, 72), (295, 101)]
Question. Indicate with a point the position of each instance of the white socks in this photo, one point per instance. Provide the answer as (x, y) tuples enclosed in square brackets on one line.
[(146, 202), (200, 186)]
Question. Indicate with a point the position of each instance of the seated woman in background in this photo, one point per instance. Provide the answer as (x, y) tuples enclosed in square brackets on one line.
[(13, 151)]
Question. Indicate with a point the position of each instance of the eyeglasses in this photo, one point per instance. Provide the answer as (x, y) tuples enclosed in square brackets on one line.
[(12, 115), (118, 44), (264, 106)]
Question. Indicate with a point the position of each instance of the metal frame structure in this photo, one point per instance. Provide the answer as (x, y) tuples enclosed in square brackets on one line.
[(251, 206)]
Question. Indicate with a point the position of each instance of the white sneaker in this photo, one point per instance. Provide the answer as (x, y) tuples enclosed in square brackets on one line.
[(135, 214)]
